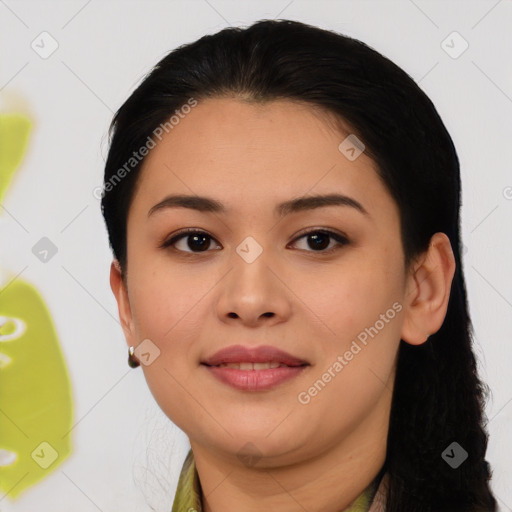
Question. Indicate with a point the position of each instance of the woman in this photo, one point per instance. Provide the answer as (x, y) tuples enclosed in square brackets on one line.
[(282, 203)]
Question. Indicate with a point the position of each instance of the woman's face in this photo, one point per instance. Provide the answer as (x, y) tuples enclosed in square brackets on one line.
[(256, 278)]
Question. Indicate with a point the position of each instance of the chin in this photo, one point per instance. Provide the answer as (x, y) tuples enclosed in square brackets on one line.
[(269, 450)]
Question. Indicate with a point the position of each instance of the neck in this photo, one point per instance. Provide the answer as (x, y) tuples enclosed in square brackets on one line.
[(329, 481)]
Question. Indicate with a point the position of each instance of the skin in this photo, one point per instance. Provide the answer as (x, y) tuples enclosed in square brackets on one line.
[(321, 455)]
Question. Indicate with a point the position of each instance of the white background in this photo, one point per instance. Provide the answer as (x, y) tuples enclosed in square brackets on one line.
[(127, 455)]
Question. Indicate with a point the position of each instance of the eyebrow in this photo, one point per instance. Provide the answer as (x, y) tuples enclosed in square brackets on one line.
[(300, 204)]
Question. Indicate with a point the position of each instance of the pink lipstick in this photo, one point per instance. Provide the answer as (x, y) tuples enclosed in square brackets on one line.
[(253, 369)]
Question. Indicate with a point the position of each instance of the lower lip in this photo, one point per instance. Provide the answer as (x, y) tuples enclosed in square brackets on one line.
[(254, 380)]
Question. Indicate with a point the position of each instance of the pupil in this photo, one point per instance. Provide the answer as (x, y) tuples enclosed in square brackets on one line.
[(318, 242), (198, 246)]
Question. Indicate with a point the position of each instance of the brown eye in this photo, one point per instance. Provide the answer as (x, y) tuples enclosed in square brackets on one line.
[(319, 240), (194, 241)]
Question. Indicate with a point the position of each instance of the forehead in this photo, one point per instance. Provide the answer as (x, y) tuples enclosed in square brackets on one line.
[(250, 153)]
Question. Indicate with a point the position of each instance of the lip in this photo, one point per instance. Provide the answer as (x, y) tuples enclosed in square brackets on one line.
[(254, 380), (261, 354)]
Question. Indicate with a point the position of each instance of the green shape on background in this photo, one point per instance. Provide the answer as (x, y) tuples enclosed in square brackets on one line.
[(36, 405), (35, 392), (14, 132)]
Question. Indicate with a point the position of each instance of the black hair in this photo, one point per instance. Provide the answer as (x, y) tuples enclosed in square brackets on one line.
[(438, 398)]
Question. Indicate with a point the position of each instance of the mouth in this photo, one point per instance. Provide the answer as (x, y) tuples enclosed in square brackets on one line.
[(253, 369)]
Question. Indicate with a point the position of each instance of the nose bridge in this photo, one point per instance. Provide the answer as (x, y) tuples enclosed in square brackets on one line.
[(250, 265), (250, 250), (251, 289)]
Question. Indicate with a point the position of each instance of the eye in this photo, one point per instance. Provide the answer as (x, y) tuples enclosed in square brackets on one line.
[(319, 240), (198, 241)]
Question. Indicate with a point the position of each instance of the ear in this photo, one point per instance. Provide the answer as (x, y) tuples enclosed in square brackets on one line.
[(120, 291), (428, 291)]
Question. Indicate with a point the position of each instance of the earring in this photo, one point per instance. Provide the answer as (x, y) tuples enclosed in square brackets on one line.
[(132, 362)]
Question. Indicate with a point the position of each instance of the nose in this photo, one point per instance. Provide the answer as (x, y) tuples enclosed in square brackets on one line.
[(254, 293)]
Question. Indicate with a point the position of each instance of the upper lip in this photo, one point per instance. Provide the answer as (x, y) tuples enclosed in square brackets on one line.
[(261, 354)]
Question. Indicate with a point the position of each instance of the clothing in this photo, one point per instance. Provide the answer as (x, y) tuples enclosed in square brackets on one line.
[(188, 492)]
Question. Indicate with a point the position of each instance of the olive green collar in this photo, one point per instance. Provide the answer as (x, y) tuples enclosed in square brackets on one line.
[(188, 492)]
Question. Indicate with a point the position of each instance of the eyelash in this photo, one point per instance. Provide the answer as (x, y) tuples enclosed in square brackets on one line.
[(340, 239)]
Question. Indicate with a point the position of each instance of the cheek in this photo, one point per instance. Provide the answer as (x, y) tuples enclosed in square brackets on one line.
[(350, 297), (166, 306), (161, 295), (366, 320)]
